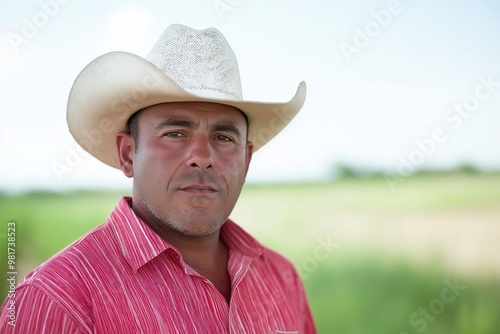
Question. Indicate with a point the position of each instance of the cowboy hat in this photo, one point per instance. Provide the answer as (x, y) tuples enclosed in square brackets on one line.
[(184, 65)]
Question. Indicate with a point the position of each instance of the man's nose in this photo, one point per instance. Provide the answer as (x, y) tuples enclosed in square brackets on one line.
[(200, 153)]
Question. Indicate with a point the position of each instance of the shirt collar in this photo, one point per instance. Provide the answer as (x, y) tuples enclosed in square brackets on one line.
[(140, 244), (238, 240)]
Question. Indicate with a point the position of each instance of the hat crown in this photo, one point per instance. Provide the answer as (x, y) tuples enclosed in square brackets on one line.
[(199, 61)]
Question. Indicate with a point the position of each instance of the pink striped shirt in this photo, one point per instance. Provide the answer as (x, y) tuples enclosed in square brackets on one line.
[(121, 277)]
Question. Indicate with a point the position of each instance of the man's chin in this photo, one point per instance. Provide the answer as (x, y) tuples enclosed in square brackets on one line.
[(198, 233), (196, 228)]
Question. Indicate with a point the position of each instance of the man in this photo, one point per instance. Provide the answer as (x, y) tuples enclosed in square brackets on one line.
[(168, 260)]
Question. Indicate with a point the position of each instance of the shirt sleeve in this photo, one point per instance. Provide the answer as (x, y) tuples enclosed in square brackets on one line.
[(32, 311), (309, 326)]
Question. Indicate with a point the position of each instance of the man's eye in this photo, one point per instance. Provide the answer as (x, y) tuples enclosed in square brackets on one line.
[(173, 134), (223, 138)]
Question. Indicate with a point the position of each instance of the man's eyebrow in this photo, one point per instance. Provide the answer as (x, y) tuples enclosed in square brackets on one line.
[(226, 127), (176, 122), (185, 123)]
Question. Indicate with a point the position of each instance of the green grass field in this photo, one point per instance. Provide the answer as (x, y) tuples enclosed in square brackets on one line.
[(422, 258)]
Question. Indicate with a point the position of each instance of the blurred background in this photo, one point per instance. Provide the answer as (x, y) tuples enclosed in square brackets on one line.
[(384, 191)]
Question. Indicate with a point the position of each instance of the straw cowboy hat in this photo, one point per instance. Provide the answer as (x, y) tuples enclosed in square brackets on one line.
[(184, 65)]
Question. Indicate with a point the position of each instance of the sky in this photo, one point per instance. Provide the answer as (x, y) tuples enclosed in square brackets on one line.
[(392, 86)]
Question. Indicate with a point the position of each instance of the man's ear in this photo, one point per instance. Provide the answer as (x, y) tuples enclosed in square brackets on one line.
[(248, 157), (125, 145)]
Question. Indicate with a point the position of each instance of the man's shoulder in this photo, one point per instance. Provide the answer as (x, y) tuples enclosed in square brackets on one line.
[(67, 282), (278, 262), (239, 239), (275, 257)]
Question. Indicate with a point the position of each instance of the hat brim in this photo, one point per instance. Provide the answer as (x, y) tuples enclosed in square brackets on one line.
[(117, 84)]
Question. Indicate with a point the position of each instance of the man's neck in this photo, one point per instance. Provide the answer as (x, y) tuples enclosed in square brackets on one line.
[(196, 251), (207, 255)]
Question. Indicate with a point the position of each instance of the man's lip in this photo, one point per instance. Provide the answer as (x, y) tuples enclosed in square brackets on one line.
[(203, 188)]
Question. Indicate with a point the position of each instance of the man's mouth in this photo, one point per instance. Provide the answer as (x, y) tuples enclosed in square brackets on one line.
[(204, 189)]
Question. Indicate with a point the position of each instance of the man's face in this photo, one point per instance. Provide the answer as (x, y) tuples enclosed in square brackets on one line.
[(189, 165)]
